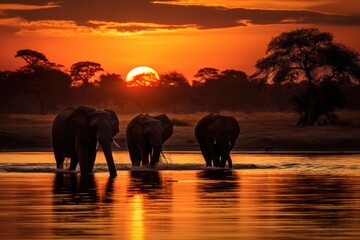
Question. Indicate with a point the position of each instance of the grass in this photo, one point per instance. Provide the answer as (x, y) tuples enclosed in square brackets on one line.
[(259, 131)]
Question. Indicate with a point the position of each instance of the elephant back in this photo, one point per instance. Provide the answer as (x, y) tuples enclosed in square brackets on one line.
[(135, 127), (226, 124)]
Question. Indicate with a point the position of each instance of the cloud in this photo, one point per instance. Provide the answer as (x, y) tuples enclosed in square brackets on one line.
[(145, 15)]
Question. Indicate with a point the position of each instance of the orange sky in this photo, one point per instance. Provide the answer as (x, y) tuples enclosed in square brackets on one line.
[(181, 35)]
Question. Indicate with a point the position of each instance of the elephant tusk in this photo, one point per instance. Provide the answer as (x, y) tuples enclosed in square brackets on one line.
[(229, 143), (152, 152), (215, 141), (116, 144), (97, 145)]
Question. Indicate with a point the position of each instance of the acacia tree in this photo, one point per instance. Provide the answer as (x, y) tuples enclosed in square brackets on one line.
[(39, 77), (205, 74), (313, 58), (32, 58), (82, 72), (146, 79), (173, 79)]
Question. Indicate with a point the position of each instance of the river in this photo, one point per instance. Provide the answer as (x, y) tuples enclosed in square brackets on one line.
[(264, 196)]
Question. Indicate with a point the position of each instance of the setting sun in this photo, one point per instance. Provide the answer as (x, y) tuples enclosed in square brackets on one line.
[(142, 76)]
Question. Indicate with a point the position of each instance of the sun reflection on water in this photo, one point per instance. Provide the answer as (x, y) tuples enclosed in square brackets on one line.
[(137, 217)]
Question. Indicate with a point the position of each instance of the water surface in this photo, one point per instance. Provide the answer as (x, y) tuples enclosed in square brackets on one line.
[(263, 197)]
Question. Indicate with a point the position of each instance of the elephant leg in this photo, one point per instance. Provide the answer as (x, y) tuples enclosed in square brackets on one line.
[(83, 155), (229, 162), (216, 159), (59, 158), (144, 156), (135, 157), (145, 159), (74, 162), (224, 159), (222, 162), (207, 155), (59, 162), (92, 156)]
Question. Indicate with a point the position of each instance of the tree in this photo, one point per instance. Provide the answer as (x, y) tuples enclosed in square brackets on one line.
[(233, 75), (311, 57), (328, 100), (39, 77), (173, 79), (82, 72), (205, 74), (110, 86), (32, 58), (35, 60), (173, 91), (146, 79)]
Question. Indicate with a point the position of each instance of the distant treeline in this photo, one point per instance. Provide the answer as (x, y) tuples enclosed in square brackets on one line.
[(44, 87)]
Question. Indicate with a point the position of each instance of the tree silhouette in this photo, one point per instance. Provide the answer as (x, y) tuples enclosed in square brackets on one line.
[(146, 79), (82, 72), (205, 74), (173, 79), (328, 100), (37, 77), (35, 60), (110, 87), (173, 91), (310, 56), (32, 58)]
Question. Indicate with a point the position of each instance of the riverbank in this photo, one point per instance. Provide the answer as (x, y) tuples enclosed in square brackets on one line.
[(260, 132)]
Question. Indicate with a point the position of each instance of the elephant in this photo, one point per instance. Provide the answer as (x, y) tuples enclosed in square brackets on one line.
[(76, 133), (145, 136), (216, 135)]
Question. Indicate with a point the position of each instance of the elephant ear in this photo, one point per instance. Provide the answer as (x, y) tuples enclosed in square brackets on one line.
[(114, 120), (235, 124), (134, 130), (166, 125), (78, 121)]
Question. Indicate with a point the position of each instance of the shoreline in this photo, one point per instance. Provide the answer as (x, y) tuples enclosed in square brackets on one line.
[(260, 133)]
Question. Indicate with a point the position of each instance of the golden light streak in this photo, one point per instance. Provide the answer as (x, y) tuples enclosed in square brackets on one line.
[(250, 4), (322, 6), (68, 28), (137, 218), (13, 6)]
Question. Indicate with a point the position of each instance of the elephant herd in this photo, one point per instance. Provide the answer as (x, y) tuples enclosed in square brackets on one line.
[(77, 133)]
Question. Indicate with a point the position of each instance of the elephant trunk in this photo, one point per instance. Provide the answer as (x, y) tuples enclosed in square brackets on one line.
[(106, 146)]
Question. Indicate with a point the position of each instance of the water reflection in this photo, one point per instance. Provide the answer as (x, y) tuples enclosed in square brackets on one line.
[(321, 203), (145, 182), (218, 200), (150, 200), (216, 182), (77, 206), (80, 189), (301, 201)]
